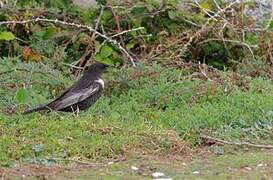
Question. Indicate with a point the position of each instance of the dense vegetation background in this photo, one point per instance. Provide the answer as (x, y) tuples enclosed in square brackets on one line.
[(182, 70)]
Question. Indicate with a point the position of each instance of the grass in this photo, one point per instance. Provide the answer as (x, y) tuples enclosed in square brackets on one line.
[(148, 109)]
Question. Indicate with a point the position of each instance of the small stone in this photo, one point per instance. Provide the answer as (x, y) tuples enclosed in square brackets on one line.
[(134, 168), (110, 163), (260, 165), (195, 172), (248, 168), (158, 175)]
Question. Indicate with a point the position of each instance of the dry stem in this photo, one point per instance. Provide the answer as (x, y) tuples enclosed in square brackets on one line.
[(237, 143), (95, 32)]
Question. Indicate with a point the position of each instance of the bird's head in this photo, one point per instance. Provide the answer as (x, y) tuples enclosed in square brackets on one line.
[(99, 66), (97, 69)]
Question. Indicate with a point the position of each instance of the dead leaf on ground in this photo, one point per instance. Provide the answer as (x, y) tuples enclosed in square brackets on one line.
[(31, 55)]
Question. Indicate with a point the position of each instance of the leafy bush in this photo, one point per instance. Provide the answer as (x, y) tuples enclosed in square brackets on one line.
[(168, 27)]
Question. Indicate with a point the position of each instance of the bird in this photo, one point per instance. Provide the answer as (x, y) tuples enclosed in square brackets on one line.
[(81, 95)]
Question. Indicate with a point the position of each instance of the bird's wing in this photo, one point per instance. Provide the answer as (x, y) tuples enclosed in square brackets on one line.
[(72, 98)]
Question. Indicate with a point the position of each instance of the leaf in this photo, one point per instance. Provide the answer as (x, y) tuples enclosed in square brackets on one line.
[(109, 61), (26, 52), (139, 11), (21, 95), (40, 34), (130, 45), (206, 5), (6, 35), (50, 32), (107, 15), (106, 51), (30, 54), (172, 14), (35, 56), (62, 4), (108, 55), (98, 57)]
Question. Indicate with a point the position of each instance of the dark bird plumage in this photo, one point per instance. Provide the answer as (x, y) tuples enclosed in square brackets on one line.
[(81, 95)]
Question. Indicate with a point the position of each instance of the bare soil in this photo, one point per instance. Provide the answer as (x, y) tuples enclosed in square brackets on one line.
[(202, 163)]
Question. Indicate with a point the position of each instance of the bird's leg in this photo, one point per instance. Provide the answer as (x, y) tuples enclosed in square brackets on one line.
[(77, 111), (72, 109), (49, 109)]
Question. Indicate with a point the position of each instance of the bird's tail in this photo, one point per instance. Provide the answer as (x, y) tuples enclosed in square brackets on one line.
[(39, 108)]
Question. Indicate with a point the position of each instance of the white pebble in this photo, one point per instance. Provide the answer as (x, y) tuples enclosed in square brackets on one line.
[(158, 175), (195, 172), (111, 162), (248, 168), (134, 168)]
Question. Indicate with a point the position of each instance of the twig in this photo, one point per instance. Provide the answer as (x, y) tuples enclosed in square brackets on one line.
[(204, 10), (237, 143), (185, 47), (190, 22), (56, 21), (76, 161), (26, 70), (73, 66), (82, 61), (98, 21), (217, 5), (127, 31), (117, 22)]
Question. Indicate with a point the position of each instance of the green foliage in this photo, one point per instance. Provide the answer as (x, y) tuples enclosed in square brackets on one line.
[(44, 39), (30, 82), (164, 21), (32, 3), (106, 51), (216, 54), (62, 4), (21, 95), (108, 55), (6, 35)]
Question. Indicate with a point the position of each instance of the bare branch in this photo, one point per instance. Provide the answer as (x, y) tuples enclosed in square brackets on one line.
[(237, 143), (185, 47), (127, 31), (98, 20), (56, 21)]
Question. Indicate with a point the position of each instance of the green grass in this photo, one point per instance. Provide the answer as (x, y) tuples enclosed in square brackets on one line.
[(144, 109)]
